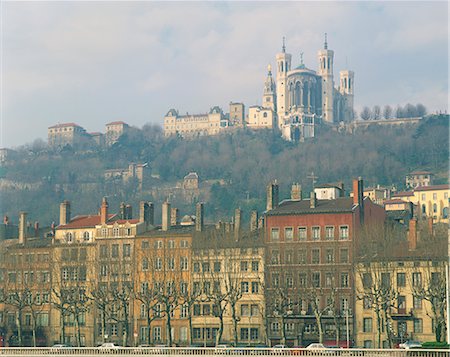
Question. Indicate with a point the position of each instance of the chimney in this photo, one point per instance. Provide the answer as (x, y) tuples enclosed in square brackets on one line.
[(174, 219), (341, 187), (36, 229), (165, 216), (430, 225), (151, 213), (64, 213), (296, 192), (53, 228), (313, 200), (254, 221), (5, 220), (272, 196), (199, 217), (122, 209), (22, 227), (237, 223), (146, 213), (358, 197), (412, 234), (128, 212), (261, 222), (104, 211)]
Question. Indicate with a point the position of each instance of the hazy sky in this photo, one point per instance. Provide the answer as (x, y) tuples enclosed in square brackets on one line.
[(96, 62)]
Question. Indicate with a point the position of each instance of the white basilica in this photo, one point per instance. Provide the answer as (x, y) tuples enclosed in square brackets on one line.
[(300, 98)]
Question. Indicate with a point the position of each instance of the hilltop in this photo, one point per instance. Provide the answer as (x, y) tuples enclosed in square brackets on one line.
[(233, 168)]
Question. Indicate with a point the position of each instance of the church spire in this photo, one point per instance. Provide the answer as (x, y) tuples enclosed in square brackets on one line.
[(325, 45)]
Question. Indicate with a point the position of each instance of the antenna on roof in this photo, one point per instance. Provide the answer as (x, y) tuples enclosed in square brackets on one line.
[(325, 45), (313, 179)]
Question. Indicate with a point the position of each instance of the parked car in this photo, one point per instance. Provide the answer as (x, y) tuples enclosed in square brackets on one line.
[(108, 346), (410, 344), (59, 347)]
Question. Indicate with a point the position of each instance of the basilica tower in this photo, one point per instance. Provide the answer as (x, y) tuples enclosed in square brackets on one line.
[(346, 84), (269, 97), (326, 72), (283, 67)]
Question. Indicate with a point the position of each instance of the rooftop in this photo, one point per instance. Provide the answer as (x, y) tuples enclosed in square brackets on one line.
[(433, 187), (64, 125), (338, 205)]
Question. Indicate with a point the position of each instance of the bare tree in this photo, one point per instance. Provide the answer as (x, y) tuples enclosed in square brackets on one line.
[(387, 112), (366, 114), (376, 112)]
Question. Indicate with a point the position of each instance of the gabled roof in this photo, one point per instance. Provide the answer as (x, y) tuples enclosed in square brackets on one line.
[(288, 207), (403, 194)]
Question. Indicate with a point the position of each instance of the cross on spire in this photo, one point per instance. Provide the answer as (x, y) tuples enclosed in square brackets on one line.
[(284, 44), (313, 179), (325, 45), (301, 57)]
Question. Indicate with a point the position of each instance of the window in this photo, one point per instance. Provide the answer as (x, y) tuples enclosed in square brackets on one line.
[(329, 280), (205, 267), (184, 264), (255, 266), (302, 233), (417, 279), (290, 326), (159, 244), (343, 255), (206, 309), (315, 279), (343, 232), (417, 302), (434, 196), (330, 255), (115, 250), (288, 234), (171, 263), (158, 263), (196, 267), (344, 280), (171, 244), (275, 257), (275, 326), (145, 264), (367, 324), (86, 236), (315, 256), (254, 333), (126, 250), (367, 303), (315, 231), (183, 334), (329, 233), (255, 287), (103, 251), (275, 234), (244, 266), (244, 287), (113, 329), (217, 267), (302, 256), (418, 325), (157, 333), (245, 310), (116, 231), (289, 256), (302, 279), (69, 237), (289, 281), (367, 343), (401, 279), (184, 244), (184, 310), (244, 334)]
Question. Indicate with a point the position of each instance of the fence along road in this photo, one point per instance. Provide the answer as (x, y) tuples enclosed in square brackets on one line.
[(214, 352)]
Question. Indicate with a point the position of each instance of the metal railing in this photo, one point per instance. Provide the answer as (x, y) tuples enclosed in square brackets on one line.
[(216, 351)]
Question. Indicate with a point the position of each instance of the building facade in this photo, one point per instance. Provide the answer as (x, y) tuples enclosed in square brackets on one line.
[(61, 135), (114, 131)]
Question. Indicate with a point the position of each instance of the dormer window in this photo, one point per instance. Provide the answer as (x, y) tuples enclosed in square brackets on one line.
[(86, 236), (116, 231)]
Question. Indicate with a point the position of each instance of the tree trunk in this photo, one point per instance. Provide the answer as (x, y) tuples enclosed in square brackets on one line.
[(283, 331), (77, 322), (104, 325), (169, 328), (219, 335), (63, 329), (235, 322), (33, 327), (190, 327), (149, 322), (19, 327)]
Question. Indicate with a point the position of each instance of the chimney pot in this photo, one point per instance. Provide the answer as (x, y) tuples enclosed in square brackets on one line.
[(296, 192), (165, 216), (22, 227), (254, 221), (104, 211), (64, 213), (237, 223), (272, 195), (174, 219)]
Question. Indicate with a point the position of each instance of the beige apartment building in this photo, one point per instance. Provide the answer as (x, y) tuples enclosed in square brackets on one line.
[(60, 135)]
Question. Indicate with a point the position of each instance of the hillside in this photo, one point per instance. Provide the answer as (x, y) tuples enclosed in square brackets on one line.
[(38, 178)]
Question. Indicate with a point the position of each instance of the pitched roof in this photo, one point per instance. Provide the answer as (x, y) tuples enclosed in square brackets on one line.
[(64, 125), (433, 187), (117, 123), (85, 221), (394, 201), (421, 173), (338, 205), (403, 194)]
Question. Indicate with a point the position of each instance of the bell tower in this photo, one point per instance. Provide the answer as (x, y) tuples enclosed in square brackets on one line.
[(269, 97), (283, 67), (326, 72), (346, 84)]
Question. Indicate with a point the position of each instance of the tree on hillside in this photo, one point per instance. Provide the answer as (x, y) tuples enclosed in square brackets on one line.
[(421, 110), (387, 112), (376, 112), (366, 114)]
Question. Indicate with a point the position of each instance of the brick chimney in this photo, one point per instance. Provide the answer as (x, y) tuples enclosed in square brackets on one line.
[(174, 216), (104, 211), (122, 209), (313, 200), (254, 221), (358, 197), (272, 196), (296, 192), (22, 227), (199, 217), (237, 223), (36, 229), (128, 212), (64, 213), (166, 213), (412, 234)]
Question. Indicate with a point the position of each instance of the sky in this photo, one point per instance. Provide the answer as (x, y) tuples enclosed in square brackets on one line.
[(96, 62)]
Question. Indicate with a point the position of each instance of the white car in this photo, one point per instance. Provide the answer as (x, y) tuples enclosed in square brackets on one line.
[(316, 346), (410, 344), (109, 346)]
